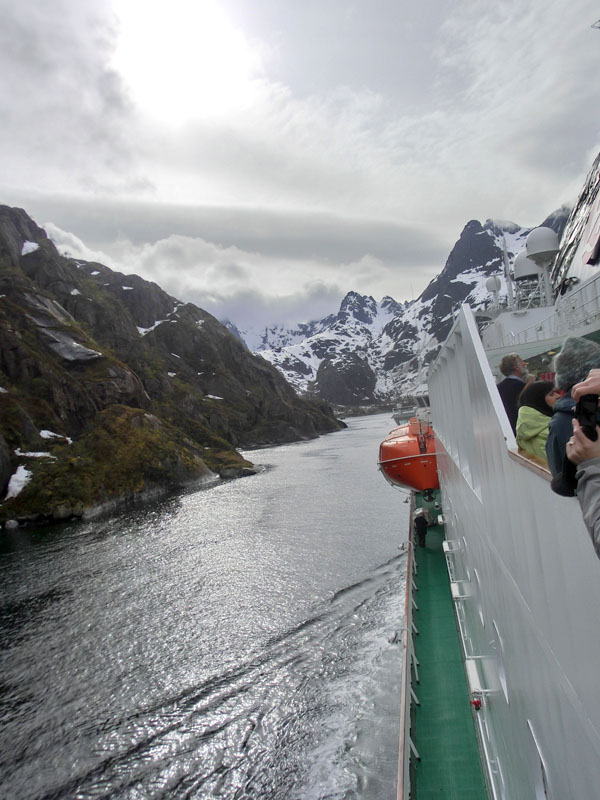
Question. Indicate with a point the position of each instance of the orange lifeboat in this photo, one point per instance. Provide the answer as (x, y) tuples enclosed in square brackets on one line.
[(407, 456)]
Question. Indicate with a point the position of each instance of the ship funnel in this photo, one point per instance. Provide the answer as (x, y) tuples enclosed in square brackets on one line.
[(542, 245)]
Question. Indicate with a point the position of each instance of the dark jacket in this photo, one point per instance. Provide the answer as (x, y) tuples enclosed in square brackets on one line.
[(510, 389), (588, 494), (560, 431)]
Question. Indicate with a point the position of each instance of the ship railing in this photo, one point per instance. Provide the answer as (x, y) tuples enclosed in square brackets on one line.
[(577, 308), (407, 748)]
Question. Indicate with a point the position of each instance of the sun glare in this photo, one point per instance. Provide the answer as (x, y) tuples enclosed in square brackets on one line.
[(183, 59)]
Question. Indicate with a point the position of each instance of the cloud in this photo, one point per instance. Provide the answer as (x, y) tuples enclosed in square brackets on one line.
[(278, 233), (221, 280), (250, 309), (67, 118), (352, 165), (72, 246), (282, 279)]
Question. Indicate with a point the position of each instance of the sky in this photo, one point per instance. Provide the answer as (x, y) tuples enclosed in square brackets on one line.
[(261, 158)]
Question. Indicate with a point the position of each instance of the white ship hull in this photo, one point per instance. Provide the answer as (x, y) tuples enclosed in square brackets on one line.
[(530, 583), (529, 598)]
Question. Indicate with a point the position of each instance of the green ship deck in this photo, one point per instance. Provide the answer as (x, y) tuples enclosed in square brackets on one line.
[(443, 731)]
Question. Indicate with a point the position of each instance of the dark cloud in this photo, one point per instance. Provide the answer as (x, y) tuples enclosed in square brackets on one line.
[(284, 234)]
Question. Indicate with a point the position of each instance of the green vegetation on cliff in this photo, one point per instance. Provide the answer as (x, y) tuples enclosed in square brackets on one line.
[(125, 390)]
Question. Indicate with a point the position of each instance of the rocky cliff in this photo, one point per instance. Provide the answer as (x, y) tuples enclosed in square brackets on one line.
[(110, 389)]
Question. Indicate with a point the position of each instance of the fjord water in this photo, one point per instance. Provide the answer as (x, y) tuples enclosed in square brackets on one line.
[(231, 642)]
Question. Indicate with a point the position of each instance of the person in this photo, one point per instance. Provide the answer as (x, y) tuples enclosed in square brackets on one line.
[(586, 454), (420, 523), (535, 410), (514, 368), (591, 385), (577, 357)]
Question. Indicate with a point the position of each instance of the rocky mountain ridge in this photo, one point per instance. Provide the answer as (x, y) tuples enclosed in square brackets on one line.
[(111, 390), (372, 352)]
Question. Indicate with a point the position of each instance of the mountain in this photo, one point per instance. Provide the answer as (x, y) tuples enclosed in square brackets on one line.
[(112, 390), (371, 352)]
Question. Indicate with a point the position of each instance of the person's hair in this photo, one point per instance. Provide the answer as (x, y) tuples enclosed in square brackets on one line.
[(577, 357), (534, 396), (509, 363)]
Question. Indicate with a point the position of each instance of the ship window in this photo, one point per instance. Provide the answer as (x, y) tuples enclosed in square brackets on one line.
[(498, 646)]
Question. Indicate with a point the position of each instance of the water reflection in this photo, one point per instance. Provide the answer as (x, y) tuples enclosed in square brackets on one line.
[(232, 642)]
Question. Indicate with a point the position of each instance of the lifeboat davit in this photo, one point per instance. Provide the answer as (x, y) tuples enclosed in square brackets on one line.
[(407, 456)]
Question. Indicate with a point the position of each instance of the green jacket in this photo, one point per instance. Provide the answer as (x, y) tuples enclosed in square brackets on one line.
[(532, 432)]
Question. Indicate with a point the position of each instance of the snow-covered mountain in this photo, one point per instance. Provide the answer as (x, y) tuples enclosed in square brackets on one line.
[(372, 351)]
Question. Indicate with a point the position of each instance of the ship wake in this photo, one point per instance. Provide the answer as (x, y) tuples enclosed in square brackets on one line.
[(312, 709)]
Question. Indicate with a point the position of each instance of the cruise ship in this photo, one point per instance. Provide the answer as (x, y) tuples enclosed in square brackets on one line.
[(501, 639)]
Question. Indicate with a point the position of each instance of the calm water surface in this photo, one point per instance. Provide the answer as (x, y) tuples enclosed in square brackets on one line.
[(233, 642)]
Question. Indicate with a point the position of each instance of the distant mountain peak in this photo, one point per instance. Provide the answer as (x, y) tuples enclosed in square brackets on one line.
[(373, 351)]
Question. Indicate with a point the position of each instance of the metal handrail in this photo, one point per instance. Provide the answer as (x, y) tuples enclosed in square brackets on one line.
[(403, 788), (563, 306)]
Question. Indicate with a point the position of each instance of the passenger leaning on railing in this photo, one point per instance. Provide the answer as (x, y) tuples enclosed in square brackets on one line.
[(586, 454), (535, 410)]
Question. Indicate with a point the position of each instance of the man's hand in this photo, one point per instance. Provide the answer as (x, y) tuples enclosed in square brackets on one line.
[(591, 385), (579, 447)]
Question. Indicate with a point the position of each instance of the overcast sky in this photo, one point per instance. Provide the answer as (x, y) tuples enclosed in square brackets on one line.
[(263, 157)]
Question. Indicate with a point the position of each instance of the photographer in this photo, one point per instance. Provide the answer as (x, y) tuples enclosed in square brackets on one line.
[(578, 358), (586, 454), (591, 385)]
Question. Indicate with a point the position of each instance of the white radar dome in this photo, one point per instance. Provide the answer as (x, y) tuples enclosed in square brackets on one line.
[(493, 284), (524, 268), (542, 245)]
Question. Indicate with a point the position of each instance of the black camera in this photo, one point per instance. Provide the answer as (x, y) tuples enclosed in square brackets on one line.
[(586, 412)]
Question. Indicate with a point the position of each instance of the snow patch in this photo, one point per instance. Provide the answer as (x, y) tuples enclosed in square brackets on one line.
[(18, 482), (144, 331), (45, 434), (29, 247), (23, 454)]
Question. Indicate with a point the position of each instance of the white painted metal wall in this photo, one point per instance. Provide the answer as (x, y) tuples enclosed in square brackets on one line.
[(534, 584)]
